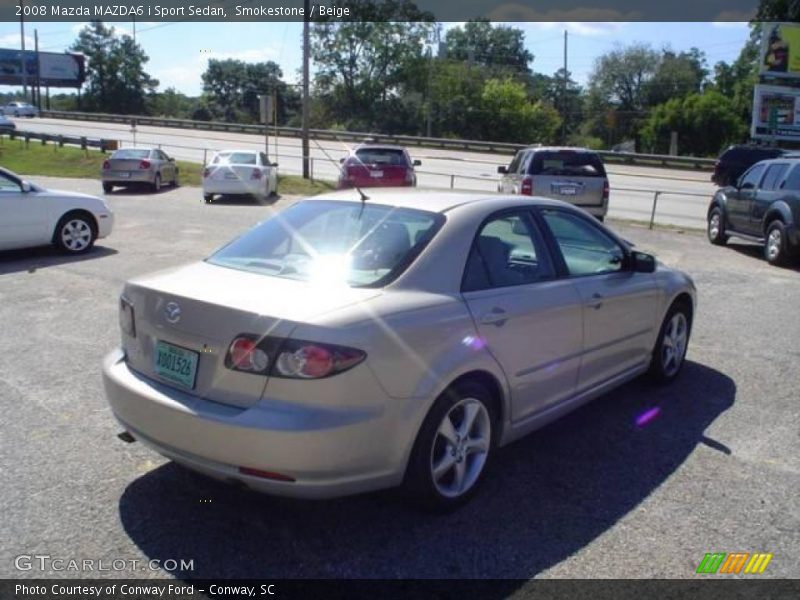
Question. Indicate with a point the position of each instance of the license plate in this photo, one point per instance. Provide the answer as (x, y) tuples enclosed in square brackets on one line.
[(176, 364), (568, 191), (124, 174), (376, 174), (231, 176)]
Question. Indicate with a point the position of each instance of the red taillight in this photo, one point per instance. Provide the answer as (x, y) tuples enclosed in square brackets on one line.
[(526, 189), (206, 172), (295, 359), (256, 174), (106, 165), (245, 355), (264, 474), (606, 190), (145, 164)]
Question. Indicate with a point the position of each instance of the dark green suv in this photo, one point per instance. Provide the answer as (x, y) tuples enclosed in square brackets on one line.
[(763, 206)]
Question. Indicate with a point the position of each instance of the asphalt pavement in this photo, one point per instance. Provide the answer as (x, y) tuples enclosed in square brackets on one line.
[(641, 483)]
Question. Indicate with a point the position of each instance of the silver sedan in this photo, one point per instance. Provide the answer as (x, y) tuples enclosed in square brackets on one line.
[(132, 166), (349, 344)]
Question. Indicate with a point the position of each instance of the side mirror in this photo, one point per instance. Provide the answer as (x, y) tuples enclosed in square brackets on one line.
[(26, 187), (417, 163), (341, 161), (502, 170), (273, 164), (170, 159), (642, 263)]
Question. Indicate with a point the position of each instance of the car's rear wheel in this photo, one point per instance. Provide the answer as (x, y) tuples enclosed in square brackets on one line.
[(716, 228), (175, 179), (75, 233), (452, 449), (669, 352), (157, 183), (108, 188), (776, 249)]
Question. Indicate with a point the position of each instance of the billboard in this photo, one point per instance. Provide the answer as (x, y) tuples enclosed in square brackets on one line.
[(57, 70), (776, 113), (780, 50)]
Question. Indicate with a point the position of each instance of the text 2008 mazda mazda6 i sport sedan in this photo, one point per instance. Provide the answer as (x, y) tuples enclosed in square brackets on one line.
[(346, 345)]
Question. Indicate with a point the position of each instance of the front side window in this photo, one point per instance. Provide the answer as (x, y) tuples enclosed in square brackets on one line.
[(9, 185), (507, 251), (751, 178), (515, 162), (338, 243), (586, 249)]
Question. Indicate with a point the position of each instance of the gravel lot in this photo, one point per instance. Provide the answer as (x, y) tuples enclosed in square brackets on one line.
[(593, 495)]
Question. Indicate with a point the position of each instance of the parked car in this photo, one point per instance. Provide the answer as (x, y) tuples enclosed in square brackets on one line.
[(35, 216), (378, 165), (20, 109), (737, 159), (763, 206), (347, 344), (575, 175), (136, 166), (240, 172), (6, 124)]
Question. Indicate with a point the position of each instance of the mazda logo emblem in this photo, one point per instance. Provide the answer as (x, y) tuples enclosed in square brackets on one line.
[(172, 312)]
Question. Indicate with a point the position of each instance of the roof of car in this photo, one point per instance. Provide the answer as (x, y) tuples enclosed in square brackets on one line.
[(435, 200), (559, 149), (238, 150), (376, 146)]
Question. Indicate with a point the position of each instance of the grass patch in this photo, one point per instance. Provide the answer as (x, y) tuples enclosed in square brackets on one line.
[(53, 161)]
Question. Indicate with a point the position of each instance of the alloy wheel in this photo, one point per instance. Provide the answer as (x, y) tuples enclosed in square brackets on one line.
[(673, 346), (774, 244), (76, 235), (713, 226)]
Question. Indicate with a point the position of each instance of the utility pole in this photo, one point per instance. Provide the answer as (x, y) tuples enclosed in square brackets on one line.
[(564, 96), (38, 93), (22, 41), (306, 60), (134, 29)]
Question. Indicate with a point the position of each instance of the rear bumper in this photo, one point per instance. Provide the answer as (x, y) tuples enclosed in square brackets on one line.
[(329, 452), (115, 177), (235, 187)]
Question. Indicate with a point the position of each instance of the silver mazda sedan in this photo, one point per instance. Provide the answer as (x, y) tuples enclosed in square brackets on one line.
[(346, 345)]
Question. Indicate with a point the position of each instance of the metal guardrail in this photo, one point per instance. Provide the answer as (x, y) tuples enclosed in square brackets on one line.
[(630, 158)]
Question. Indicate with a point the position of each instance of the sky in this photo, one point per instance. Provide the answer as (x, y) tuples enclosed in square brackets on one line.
[(179, 52)]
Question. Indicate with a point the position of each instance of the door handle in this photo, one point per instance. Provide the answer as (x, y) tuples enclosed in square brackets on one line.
[(597, 301), (496, 316)]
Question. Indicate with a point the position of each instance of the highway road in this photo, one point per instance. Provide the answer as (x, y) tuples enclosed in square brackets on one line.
[(683, 201)]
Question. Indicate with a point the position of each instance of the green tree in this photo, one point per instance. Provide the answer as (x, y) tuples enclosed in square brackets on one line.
[(496, 46), (508, 114), (711, 113), (364, 65), (677, 75), (172, 103), (778, 10), (117, 81)]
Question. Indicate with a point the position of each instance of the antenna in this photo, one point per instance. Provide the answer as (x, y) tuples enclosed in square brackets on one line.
[(364, 197)]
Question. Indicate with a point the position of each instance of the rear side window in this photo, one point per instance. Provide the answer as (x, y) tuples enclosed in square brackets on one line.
[(774, 176), (575, 164), (793, 180)]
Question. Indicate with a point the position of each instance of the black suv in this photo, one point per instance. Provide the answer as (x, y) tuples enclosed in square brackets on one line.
[(737, 159), (763, 206)]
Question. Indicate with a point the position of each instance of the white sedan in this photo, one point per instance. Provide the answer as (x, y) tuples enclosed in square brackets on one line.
[(20, 109), (240, 173), (33, 216)]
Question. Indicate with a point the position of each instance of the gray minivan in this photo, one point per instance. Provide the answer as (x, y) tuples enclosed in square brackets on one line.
[(575, 175)]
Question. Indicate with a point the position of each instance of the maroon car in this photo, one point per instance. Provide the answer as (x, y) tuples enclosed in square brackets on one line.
[(371, 165)]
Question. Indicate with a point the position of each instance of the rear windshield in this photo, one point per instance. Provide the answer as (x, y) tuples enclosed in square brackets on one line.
[(576, 164), (235, 158), (381, 156), (131, 154), (338, 243)]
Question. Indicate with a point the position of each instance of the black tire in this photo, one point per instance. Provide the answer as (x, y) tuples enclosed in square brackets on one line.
[(601, 219), (660, 370), (715, 227), (108, 188), (208, 198), (776, 244), (157, 183), (83, 236), (419, 485), (175, 182)]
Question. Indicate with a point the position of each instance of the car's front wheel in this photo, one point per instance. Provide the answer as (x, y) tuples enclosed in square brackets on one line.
[(208, 198), (776, 249), (452, 449), (75, 233), (108, 188), (673, 340), (716, 228)]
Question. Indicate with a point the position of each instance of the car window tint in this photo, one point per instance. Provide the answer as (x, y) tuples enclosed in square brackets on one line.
[(514, 166), (586, 249), (381, 156), (774, 176), (507, 251), (130, 154), (753, 176), (576, 164), (793, 180), (236, 158), (8, 185)]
